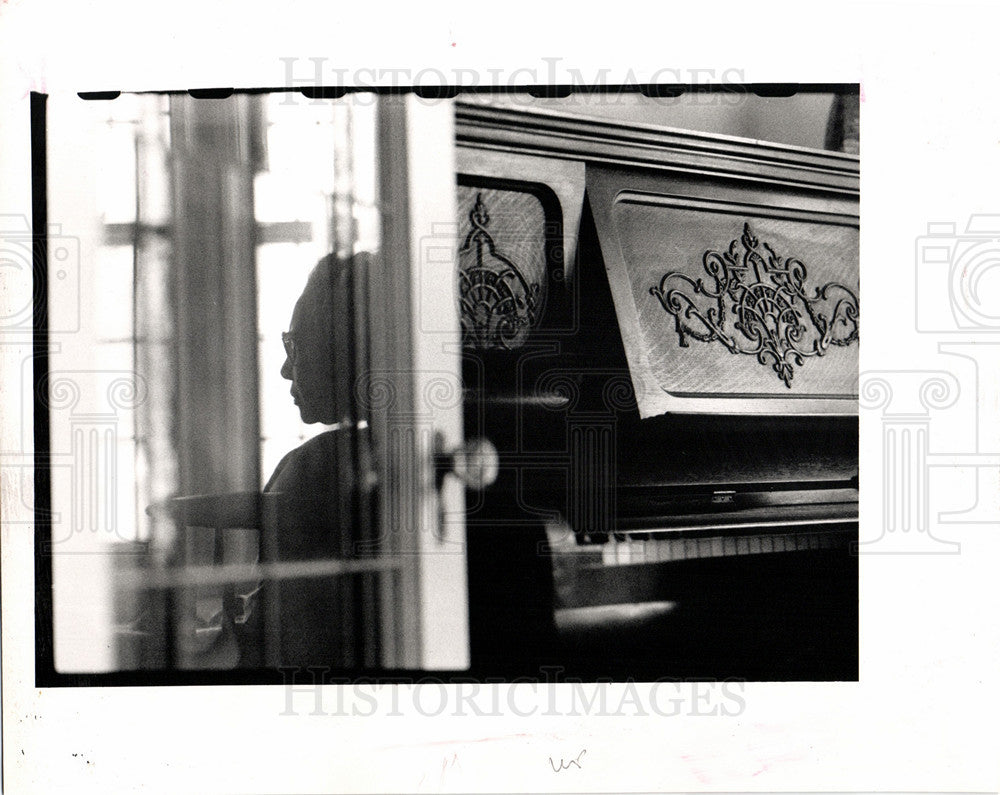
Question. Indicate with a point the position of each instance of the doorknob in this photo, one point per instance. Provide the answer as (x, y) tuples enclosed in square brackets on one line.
[(476, 463)]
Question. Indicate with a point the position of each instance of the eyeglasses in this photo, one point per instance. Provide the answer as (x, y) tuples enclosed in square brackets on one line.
[(289, 342)]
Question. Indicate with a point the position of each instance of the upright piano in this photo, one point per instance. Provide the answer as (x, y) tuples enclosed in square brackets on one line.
[(661, 335)]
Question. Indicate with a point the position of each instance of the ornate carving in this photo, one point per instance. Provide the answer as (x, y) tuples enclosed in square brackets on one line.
[(498, 305), (765, 300)]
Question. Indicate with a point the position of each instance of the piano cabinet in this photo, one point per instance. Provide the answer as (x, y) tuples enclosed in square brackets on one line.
[(674, 499)]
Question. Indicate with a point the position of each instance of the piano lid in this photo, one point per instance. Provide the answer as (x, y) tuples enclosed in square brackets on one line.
[(732, 297)]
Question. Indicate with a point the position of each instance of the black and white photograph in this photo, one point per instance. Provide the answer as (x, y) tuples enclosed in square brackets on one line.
[(500, 384), (469, 398)]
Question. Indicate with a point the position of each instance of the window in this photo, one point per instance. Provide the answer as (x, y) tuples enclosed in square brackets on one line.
[(203, 222)]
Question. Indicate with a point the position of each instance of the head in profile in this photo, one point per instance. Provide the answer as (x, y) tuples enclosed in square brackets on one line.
[(310, 352)]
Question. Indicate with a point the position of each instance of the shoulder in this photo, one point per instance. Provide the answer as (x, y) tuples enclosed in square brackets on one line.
[(315, 458)]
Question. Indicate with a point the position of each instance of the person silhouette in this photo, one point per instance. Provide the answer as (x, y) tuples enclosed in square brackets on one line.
[(312, 498), (305, 513), (310, 364)]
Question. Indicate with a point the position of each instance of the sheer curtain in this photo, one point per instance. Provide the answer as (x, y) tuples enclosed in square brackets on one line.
[(200, 221)]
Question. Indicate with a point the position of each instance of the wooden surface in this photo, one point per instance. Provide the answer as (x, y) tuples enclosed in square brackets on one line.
[(656, 232), (564, 178), (663, 197), (562, 136)]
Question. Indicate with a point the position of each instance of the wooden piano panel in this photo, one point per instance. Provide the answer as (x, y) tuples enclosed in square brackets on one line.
[(731, 299)]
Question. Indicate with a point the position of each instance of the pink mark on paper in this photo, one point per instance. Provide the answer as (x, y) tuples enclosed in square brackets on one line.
[(697, 771)]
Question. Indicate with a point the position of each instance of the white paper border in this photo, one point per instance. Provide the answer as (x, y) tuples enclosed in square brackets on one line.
[(920, 719)]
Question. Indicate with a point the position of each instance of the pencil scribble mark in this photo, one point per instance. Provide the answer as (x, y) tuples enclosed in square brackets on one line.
[(564, 765)]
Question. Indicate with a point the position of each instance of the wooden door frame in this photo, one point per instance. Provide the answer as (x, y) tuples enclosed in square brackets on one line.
[(415, 368)]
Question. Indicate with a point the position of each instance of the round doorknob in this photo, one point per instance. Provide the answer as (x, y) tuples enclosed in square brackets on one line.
[(476, 463)]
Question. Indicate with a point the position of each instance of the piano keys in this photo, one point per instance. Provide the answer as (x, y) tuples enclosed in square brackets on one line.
[(638, 551)]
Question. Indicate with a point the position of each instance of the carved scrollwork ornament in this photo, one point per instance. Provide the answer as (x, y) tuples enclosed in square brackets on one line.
[(756, 303), (498, 305)]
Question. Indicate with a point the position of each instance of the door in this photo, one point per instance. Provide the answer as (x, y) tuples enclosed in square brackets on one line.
[(250, 533)]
